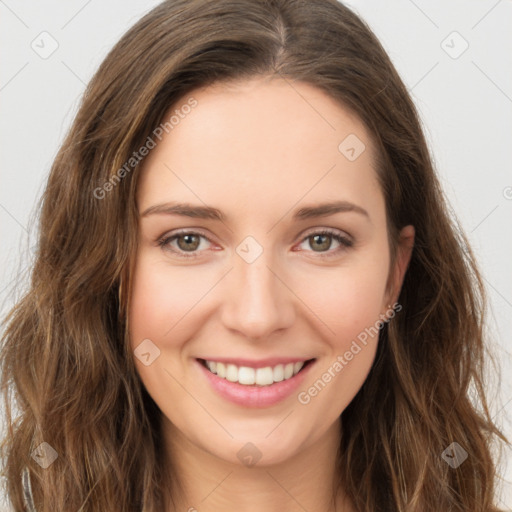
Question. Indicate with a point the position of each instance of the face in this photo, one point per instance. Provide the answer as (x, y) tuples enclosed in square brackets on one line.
[(253, 276)]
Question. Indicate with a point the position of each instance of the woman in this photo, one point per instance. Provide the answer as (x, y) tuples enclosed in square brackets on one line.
[(248, 293)]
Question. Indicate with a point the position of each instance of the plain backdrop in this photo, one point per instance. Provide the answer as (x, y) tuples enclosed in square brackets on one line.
[(453, 56)]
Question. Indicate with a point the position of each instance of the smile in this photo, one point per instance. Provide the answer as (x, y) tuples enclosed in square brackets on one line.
[(248, 376), (254, 384)]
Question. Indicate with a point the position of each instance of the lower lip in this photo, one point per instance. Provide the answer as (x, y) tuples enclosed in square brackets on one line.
[(254, 396)]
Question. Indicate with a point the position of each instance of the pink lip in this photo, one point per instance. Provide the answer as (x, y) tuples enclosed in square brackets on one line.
[(254, 396), (262, 363)]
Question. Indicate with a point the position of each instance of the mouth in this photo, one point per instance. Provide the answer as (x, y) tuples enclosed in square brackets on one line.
[(257, 375)]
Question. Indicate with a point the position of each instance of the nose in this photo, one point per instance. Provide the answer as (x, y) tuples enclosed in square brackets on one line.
[(257, 301)]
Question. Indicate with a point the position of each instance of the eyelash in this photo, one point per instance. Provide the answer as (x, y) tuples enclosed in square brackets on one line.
[(345, 243)]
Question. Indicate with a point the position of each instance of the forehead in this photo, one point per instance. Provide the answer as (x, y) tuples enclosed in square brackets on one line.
[(260, 142)]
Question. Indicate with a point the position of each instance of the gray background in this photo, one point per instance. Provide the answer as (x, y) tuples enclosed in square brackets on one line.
[(464, 97)]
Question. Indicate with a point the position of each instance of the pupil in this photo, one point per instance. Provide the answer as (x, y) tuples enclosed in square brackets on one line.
[(326, 243), (189, 242)]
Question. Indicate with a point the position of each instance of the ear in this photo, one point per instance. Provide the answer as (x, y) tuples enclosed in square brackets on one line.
[(402, 259)]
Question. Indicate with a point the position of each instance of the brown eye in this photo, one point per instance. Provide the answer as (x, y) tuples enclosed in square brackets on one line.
[(320, 243), (186, 244)]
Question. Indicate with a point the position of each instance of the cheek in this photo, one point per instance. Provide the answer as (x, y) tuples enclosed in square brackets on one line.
[(147, 303), (350, 306), (162, 297), (361, 304), (346, 300)]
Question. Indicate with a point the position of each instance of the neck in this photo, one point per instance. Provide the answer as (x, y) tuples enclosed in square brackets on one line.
[(203, 482)]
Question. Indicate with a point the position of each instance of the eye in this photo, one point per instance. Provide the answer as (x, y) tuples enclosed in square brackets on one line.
[(321, 241), (187, 243)]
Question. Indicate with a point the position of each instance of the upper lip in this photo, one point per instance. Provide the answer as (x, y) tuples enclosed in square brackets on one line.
[(260, 363)]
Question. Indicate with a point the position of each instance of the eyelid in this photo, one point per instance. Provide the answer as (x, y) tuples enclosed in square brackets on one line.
[(345, 240), (331, 231), (163, 240)]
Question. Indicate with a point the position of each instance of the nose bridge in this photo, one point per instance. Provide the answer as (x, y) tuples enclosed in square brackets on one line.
[(257, 302)]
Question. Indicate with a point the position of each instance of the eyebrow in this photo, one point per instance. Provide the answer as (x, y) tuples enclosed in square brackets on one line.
[(209, 212)]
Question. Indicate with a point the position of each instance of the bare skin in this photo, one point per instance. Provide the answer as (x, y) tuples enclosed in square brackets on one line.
[(258, 151)]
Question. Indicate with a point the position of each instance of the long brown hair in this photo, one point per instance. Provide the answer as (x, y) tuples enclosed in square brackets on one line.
[(65, 351)]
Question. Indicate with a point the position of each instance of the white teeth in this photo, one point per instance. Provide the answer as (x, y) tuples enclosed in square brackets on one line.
[(232, 373), (288, 371), (250, 376), (221, 370), (246, 376), (297, 367), (264, 376), (278, 373)]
